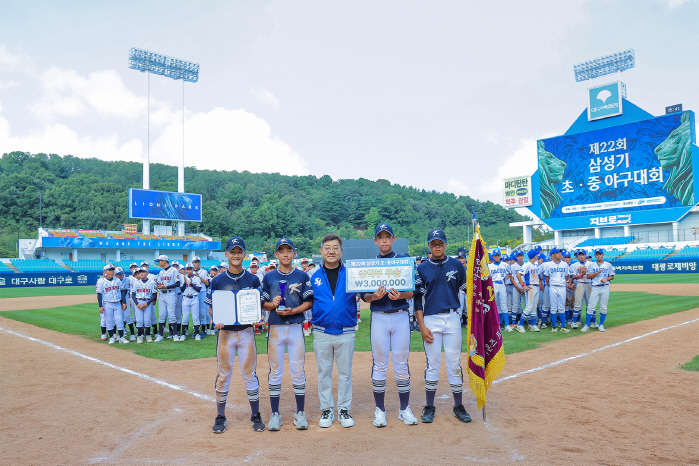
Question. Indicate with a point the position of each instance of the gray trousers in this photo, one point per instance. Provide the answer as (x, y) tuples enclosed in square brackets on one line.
[(339, 348)]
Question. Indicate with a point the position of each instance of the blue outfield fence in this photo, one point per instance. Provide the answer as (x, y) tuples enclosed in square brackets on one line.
[(27, 280), (656, 266)]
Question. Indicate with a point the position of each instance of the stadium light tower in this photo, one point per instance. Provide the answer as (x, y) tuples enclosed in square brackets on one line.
[(150, 62), (602, 66)]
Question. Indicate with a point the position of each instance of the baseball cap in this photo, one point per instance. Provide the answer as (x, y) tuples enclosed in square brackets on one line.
[(383, 227), (541, 256), (140, 269), (118, 270), (223, 264), (304, 260), (213, 267), (532, 254), (189, 266), (254, 264), (163, 257), (580, 251), (108, 267), (436, 235), (195, 259), (233, 242), (272, 265), (496, 252), (461, 252), (599, 250), (555, 250), (564, 251), (144, 263), (284, 241), (537, 248), (175, 263), (519, 253), (133, 264)]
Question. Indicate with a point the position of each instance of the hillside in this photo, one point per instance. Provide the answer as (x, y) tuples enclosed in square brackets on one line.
[(261, 207)]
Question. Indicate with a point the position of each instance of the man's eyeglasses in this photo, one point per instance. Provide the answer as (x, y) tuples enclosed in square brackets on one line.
[(333, 249)]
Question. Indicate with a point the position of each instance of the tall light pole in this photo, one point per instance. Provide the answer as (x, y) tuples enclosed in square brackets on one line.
[(602, 66), (150, 62)]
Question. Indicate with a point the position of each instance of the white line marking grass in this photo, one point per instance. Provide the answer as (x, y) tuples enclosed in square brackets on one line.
[(122, 369)]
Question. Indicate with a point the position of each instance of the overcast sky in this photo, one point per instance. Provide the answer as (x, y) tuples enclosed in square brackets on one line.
[(443, 95)]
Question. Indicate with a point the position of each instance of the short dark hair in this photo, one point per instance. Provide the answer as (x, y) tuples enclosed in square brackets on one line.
[(331, 237)]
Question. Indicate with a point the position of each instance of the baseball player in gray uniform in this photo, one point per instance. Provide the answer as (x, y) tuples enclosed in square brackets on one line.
[(112, 302), (601, 273), (153, 318), (191, 288), (580, 284), (205, 281), (178, 303), (167, 282), (143, 296), (126, 286)]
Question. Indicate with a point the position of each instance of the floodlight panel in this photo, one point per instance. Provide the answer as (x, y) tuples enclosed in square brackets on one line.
[(144, 60), (602, 66)]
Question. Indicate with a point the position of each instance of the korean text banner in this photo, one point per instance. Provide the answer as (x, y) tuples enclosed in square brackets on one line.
[(517, 192), (635, 173), (162, 205), (368, 275), (16, 280)]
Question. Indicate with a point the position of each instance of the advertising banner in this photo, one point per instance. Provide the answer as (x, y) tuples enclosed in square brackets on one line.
[(368, 275), (111, 243), (666, 266), (162, 205), (517, 192), (27, 280), (604, 101), (640, 172)]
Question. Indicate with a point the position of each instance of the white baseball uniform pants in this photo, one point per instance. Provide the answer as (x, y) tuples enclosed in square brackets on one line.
[(532, 302), (557, 297), (113, 315), (143, 315), (446, 330), (178, 307), (289, 337), (501, 297), (228, 343), (167, 308), (203, 308), (599, 294), (190, 306), (391, 332)]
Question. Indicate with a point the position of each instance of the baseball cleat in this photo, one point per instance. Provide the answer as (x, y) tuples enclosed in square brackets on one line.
[(565, 330), (345, 418), (406, 415), (169, 336), (300, 421), (427, 414), (103, 337), (197, 337), (601, 328), (594, 325), (257, 424), (554, 329), (461, 414), (520, 329), (543, 325), (534, 328), (158, 338), (149, 339), (326, 418), (585, 329), (123, 340), (219, 424), (111, 340), (507, 328), (203, 334), (132, 337), (275, 422), (139, 340), (379, 418)]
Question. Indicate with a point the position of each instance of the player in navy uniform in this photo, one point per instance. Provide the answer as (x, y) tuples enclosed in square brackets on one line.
[(437, 307), (286, 330), (234, 339), (389, 331)]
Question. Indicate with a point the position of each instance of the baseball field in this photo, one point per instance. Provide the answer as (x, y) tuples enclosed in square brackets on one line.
[(625, 396)]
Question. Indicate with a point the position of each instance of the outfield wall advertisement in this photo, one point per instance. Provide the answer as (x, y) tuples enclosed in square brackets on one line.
[(636, 173), (27, 280), (661, 267), (162, 205)]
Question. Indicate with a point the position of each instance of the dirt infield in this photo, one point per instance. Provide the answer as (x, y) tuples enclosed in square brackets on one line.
[(628, 404), (42, 302), (672, 289)]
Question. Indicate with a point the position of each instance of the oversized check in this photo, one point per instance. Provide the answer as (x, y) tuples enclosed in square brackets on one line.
[(368, 275)]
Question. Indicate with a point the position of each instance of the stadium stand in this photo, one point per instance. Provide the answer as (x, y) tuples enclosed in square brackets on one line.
[(90, 265), (612, 254), (37, 265), (646, 254), (618, 240), (5, 269), (687, 252)]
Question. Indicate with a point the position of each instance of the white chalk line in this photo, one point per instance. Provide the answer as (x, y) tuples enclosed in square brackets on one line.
[(561, 361), (209, 398), (122, 369)]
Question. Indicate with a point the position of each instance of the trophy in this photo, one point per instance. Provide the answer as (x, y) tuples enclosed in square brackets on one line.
[(282, 303)]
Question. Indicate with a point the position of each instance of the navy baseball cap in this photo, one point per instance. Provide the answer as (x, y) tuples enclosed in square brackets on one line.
[(436, 235), (461, 252), (283, 241), (233, 242), (599, 250), (532, 254), (383, 227)]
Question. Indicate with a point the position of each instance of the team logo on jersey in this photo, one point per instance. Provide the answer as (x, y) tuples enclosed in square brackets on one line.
[(451, 274), (318, 281), (295, 288)]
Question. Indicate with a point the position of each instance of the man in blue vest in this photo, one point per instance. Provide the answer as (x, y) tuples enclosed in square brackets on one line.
[(334, 321)]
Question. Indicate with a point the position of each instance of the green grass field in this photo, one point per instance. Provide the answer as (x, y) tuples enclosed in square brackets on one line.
[(47, 291), (657, 278), (83, 320), (692, 365)]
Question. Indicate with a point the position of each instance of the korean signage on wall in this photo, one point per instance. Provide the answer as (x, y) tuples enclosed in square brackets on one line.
[(27, 280), (604, 101), (517, 192), (640, 172)]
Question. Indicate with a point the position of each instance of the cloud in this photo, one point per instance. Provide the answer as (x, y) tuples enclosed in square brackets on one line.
[(457, 187), (265, 97), (13, 61), (227, 140), (100, 93), (675, 3)]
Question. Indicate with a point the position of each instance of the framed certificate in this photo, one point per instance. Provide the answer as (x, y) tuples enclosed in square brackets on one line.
[(369, 274), (236, 307)]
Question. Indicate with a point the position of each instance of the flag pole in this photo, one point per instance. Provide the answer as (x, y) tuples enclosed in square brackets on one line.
[(474, 219)]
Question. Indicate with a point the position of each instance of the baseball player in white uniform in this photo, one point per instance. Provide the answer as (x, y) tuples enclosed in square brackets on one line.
[(556, 277), (601, 273), (126, 286), (112, 302), (530, 272), (178, 303), (204, 321), (581, 285), (191, 288), (143, 296), (500, 271), (153, 318), (518, 293), (167, 283)]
